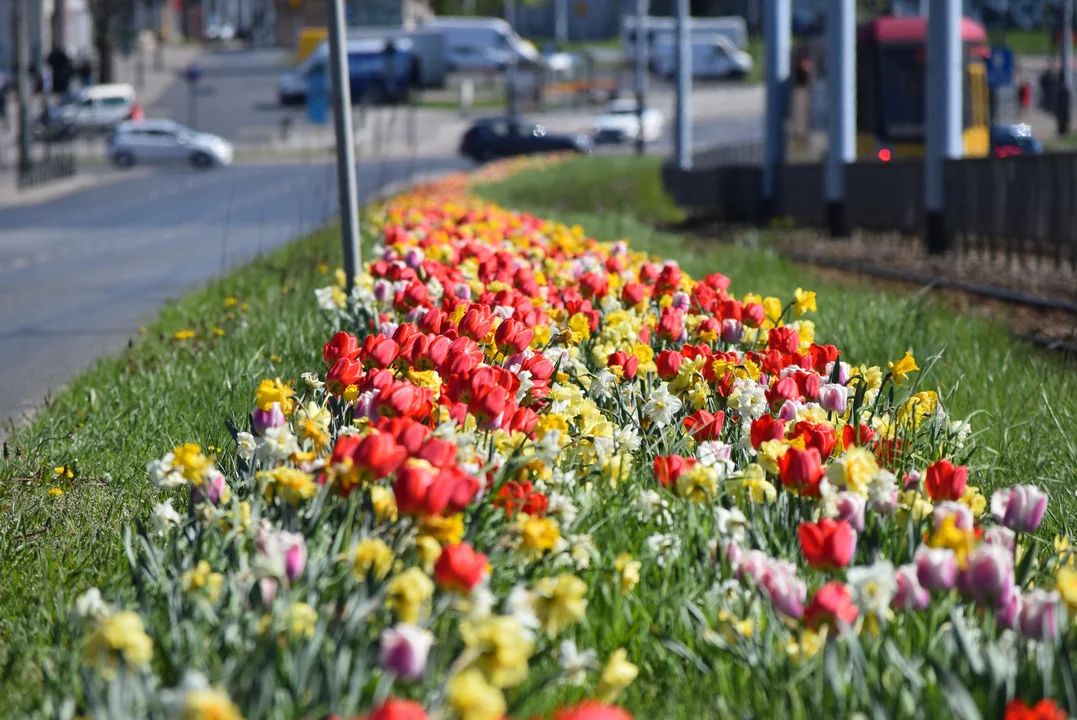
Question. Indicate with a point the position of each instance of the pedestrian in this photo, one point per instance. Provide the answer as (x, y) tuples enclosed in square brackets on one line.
[(1024, 98), (85, 72)]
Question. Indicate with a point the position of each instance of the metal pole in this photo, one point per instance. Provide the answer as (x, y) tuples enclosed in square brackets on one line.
[(641, 71), (684, 86), (59, 25), (777, 31), (22, 59), (841, 101), (345, 139), (192, 102), (1065, 97), (944, 113), (561, 12)]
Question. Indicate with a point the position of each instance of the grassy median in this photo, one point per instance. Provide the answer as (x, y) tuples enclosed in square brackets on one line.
[(74, 478)]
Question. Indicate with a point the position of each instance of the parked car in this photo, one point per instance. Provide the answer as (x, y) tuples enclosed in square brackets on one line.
[(1014, 139), (217, 30), (98, 108), (619, 123), (491, 138), (713, 56), (166, 142)]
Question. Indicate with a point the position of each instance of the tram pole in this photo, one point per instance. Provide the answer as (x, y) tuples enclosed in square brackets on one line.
[(944, 114), (777, 31), (684, 86), (1065, 96), (642, 36), (841, 92)]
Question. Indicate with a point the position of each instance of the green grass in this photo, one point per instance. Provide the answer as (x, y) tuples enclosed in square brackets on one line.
[(1030, 42), (1022, 401), (124, 412)]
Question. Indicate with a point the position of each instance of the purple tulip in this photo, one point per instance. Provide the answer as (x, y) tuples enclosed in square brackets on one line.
[(910, 596), (295, 557), (789, 410), (732, 330), (1037, 614), (753, 564), (844, 372), (383, 291), (414, 257), (462, 291), (1020, 507), (936, 568), (265, 419), (1007, 614), (912, 480), (988, 578), (364, 406), (834, 398), (851, 509), (404, 650), (1003, 537)]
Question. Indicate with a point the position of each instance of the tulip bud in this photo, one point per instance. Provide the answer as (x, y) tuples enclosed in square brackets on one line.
[(851, 509), (265, 419), (404, 650), (295, 557)]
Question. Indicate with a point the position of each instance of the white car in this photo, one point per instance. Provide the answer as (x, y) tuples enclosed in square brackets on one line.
[(712, 57), (96, 108), (620, 123), (166, 142)]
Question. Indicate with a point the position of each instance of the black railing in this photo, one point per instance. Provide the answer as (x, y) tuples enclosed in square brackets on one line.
[(50, 169)]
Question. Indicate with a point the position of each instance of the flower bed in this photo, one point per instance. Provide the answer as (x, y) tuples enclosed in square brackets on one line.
[(539, 474)]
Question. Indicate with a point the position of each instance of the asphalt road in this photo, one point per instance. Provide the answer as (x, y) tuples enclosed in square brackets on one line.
[(80, 274)]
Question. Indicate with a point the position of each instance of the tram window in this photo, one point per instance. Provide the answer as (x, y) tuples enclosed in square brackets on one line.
[(902, 93)]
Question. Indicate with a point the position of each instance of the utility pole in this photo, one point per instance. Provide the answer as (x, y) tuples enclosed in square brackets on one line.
[(340, 90), (777, 32), (684, 86), (841, 99), (944, 103), (59, 11), (22, 59), (641, 71), (1065, 95), (561, 13)]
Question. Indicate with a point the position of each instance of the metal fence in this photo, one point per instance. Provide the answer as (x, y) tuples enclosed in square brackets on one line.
[(50, 169), (1018, 206)]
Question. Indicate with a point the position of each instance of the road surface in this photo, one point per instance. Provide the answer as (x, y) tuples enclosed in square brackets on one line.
[(81, 273)]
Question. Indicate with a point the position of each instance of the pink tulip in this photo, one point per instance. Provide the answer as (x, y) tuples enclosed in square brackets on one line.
[(732, 330), (788, 411), (834, 398), (1003, 537), (961, 514), (215, 488), (910, 596), (936, 568), (988, 578), (1020, 507), (785, 590)]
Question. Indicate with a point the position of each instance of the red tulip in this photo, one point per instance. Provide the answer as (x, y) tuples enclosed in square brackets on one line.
[(393, 709), (403, 400), (343, 345), (858, 437), (592, 710), (831, 603), (512, 337), (344, 372), (822, 355), (633, 293), (944, 481), (378, 352), (422, 489), (801, 470), (821, 437), (408, 432), (1045, 709), (439, 453), (808, 383), (766, 428), (668, 362), (827, 544), (671, 324), (753, 314), (704, 426), (594, 285), (669, 279), (380, 454), (404, 334), (459, 568), (476, 322), (783, 339), (667, 468), (523, 420)]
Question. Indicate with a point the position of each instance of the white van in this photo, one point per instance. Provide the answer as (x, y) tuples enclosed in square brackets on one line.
[(658, 28), (476, 44), (97, 108), (712, 57)]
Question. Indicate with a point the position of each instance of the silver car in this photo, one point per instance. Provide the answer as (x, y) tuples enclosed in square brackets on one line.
[(164, 141)]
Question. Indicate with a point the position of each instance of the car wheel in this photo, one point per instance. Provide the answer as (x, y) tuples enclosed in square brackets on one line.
[(201, 160), (123, 160)]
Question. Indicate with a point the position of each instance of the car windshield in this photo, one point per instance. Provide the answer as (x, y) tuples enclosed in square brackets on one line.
[(622, 110)]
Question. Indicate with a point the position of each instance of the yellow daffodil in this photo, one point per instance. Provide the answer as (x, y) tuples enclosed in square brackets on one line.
[(372, 558), (502, 647), (560, 602), (473, 698), (804, 302), (202, 580), (628, 571), (616, 676), (120, 639), (900, 370), (408, 595)]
